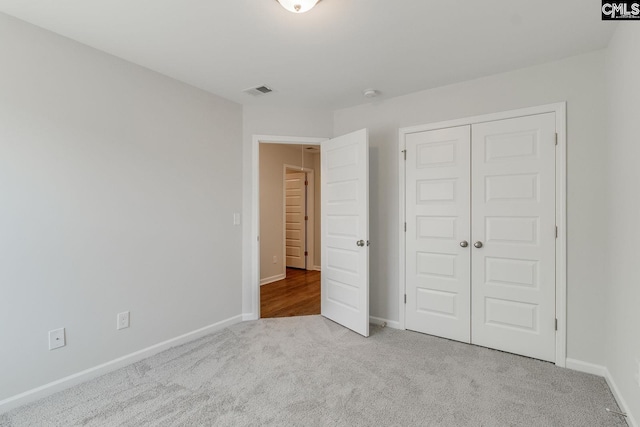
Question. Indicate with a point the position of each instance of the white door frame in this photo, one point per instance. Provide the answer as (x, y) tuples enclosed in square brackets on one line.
[(255, 209), (309, 237), (560, 110)]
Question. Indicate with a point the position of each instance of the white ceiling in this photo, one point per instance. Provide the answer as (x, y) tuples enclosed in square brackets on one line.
[(326, 57)]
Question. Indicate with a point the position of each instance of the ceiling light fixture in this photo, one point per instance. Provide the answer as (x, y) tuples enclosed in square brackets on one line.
[(298, 6)]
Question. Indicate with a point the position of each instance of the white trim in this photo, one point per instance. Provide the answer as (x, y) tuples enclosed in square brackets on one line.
[(254, 220), (88, 374), (511, 114), (316, 268), (621, 402), (247, 317), (402, 218), (589, 368), (272, 279), (561, 222), (389, 323), (560, 110), (602, 371)]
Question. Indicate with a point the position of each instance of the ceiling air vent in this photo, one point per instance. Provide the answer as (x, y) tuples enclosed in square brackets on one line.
[(258, 91)]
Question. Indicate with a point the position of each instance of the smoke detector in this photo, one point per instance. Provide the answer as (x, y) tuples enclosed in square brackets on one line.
[(258, 90), (370, 93)]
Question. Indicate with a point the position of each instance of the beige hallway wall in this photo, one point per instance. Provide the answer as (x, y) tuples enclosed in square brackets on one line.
[(273, 157)]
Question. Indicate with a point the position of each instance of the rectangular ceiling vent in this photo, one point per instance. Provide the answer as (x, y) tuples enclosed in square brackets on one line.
[(258, 91)]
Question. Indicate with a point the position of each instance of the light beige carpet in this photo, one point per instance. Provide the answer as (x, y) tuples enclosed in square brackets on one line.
[(308, 371)]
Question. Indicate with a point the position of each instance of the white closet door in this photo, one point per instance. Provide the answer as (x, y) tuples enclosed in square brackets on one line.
[(513, 273), (295, 230), (345, 230), (437, 214)]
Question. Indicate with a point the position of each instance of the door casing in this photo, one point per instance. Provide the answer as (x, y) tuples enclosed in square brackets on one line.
[(254, 223), (561, 207)]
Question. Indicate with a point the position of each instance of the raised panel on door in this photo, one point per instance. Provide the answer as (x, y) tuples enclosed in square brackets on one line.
[(345, 230), (295, 233), (437, 215), (513, 273)]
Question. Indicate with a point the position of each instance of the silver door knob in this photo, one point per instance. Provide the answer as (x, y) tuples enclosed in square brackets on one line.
[(478, 244), (464, 243), (360, 243)]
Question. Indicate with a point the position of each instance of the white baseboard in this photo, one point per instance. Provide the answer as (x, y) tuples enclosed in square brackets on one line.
[(88, 374), (316, 268), (272, 279), (390, 323), (589, 368), (621, 402), (602, 371), (249, 316)]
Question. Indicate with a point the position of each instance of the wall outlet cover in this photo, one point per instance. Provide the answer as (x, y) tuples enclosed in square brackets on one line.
[(123, 320), (57, 339)]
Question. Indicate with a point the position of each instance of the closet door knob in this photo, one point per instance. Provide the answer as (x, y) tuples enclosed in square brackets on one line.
[(478, 244), (464, 243), (360, 243)]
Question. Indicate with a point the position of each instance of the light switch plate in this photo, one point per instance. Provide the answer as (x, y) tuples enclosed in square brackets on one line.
[(57, 339), (236, 219)]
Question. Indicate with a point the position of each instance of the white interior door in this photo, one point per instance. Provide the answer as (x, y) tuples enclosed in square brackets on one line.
[(295, 211), (513, 272), (438, 220), (345, 230)]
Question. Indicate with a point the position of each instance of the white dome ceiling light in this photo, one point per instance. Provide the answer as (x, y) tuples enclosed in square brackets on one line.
[(298, 6)]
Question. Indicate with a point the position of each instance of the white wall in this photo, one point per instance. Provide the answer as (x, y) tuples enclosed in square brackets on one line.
[(117, 188), (262, 120), (579, 81), (622, 223), (273, 157)]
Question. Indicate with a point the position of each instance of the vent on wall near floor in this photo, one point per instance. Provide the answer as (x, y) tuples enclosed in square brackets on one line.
[(258, 91)]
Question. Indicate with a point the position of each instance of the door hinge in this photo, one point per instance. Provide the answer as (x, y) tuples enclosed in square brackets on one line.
[(306, 183), (556, 139), (306, 253), (306, 218), (556, 324), (556, 231), (405, 298), (404, 152), (405, 227)]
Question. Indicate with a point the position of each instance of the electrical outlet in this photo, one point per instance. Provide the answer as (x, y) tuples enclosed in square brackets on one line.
[(275, 259), (123, 320), (57, 339)]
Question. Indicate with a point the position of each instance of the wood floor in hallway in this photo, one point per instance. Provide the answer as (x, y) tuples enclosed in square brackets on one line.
[(297, 295)]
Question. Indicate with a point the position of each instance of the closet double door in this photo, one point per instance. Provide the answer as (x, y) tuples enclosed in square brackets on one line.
[(480, 234)]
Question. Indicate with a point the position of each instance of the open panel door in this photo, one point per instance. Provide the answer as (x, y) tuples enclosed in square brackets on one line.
[(345, 230)]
